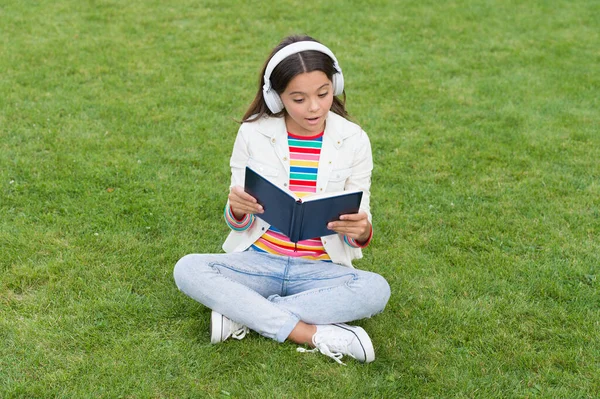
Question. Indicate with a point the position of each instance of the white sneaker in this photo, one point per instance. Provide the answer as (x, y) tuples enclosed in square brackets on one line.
[(222, 328), (337, 340)]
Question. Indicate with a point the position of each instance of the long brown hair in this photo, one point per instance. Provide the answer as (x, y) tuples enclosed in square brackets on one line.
[(286, 70)]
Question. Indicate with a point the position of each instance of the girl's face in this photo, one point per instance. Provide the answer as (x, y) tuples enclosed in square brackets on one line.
[(307, 100)]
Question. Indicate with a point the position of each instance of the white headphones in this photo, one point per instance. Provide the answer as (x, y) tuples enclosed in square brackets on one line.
[(271, 97)]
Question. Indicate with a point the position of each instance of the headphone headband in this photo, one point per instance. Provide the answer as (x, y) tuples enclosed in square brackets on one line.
[(271, 98), (295, 48)]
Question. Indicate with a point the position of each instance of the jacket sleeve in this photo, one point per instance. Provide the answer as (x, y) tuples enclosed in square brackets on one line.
[(362, 168), (237, 163), (239, 159)]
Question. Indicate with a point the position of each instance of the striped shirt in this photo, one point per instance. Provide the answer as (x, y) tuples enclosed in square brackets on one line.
[(304, 165)]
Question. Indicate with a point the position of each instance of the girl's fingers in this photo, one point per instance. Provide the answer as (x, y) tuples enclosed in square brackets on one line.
[(246, 207), (351, 219), (352, 225), (349, 230), (238, 193), (242, 202), (354, 216)]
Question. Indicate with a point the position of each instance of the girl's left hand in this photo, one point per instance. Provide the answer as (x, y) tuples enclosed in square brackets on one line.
[(356, 226)]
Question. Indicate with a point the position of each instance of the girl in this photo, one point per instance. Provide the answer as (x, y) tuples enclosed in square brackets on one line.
[(295, 133)]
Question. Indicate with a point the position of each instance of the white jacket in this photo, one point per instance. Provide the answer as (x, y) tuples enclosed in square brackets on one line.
[(346, 163)]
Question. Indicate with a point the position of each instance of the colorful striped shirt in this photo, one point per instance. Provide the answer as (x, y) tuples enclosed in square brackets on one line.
[(304, 165)]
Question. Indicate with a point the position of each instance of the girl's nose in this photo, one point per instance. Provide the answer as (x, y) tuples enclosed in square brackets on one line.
[(314, 105)]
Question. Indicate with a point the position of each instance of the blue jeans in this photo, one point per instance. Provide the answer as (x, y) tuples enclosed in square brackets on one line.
[(270, 294)]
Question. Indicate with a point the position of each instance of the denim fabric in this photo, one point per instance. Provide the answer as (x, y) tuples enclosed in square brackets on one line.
[(271, 293)]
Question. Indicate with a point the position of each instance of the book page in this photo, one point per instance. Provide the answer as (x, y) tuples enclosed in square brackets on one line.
[(314, 197)]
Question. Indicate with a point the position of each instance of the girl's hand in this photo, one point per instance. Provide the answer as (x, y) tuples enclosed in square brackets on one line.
[(242, 203), (356, 226)]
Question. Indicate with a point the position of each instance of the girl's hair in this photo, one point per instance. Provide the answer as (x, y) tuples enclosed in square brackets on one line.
[(286, 70)]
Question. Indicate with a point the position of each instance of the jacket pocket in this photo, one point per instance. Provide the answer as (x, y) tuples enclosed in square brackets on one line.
[(337, 179)]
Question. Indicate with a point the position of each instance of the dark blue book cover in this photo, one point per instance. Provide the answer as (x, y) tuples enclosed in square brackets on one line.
[(299, 218)]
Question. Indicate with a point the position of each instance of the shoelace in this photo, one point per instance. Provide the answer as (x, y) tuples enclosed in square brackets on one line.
[(240, 332), (324, 349)]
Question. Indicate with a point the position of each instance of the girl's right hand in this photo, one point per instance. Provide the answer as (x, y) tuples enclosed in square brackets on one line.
[(242, 203)]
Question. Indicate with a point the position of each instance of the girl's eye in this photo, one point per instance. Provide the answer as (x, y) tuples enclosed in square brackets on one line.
[(323, 95), (298, 100)]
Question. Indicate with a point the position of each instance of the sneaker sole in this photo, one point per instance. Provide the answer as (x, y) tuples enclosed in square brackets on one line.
[(216, 327), (363, 338)]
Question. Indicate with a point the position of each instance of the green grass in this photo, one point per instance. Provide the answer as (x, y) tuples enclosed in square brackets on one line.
[(116, 125)]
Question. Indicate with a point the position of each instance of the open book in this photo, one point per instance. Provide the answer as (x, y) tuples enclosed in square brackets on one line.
[(299, 218)]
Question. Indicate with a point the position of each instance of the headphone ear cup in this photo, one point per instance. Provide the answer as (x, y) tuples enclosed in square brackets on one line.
[(338, 83), (273, 101)]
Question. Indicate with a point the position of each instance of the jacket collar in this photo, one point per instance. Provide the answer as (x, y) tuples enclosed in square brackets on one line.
[(274, 128)]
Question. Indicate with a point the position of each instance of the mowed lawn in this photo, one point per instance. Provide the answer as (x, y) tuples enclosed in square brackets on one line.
[(116, 125)]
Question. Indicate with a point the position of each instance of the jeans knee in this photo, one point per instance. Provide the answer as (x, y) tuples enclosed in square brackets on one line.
[(378, 293), (183, 269), (384, 289)]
